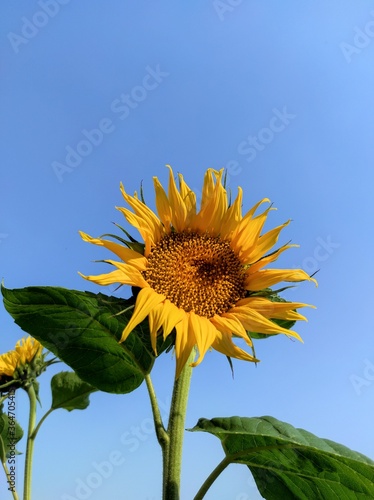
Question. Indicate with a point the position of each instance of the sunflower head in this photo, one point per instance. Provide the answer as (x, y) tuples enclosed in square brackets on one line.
[(201, 270), (22, 364)]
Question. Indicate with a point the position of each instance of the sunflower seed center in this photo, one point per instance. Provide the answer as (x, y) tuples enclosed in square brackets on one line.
[(196, 272)]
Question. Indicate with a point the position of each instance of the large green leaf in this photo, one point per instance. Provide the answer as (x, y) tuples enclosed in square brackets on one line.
[(83, 330), (70, 392), (292, 463)]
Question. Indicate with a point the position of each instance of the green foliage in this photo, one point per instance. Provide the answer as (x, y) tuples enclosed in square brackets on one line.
[(10, 430), (70, 392), (292, 463), (83, 330)]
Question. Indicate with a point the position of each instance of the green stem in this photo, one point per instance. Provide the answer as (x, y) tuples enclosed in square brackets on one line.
[(172, 474), (36, 429), (212, 477), (162, 435), (30, 442)]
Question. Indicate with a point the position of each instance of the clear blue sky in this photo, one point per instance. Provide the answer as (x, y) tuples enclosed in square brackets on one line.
[(281, 93)]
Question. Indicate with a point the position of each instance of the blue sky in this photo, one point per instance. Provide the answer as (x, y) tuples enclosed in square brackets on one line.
[(94, 93)]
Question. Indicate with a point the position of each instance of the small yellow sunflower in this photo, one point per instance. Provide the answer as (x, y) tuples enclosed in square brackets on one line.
[(201, 270), (25, 351)]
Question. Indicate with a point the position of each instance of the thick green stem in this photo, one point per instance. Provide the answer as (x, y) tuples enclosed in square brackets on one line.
[(212, 477), (30, 443), (172, 474)]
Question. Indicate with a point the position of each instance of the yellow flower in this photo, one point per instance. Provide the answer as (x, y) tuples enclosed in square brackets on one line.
[(201, 269), (25, 351)]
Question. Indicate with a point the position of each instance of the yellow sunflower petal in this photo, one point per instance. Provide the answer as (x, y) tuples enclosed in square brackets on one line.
[(248, 232), (163, 206), (205, 333), (252, 211), (178, 206), (263, 245), (106, 279), (155, 323), (225, 345), (213, 206), (8, 363), (143, 228), (274, 310), (268, 277), (219, 207), (267, 259), (248, 217), (189, 198), (289, 316), (27, 348), (129, 256), (25, 351), (232, 216), (141, 209), (145, 213), (184, 343), (132, 276), (230, 326), (146, 300), (172, 315), (165, 315), (253, 321), (208, 188), (125, 274)]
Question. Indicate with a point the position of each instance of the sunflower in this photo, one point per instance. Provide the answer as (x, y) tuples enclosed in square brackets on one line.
[(200, 272), (24, 353)]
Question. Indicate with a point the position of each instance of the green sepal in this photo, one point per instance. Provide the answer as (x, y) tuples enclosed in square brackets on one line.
[(83, 330), (70, 392), (292, 463), (142, 193), (133, 245)]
